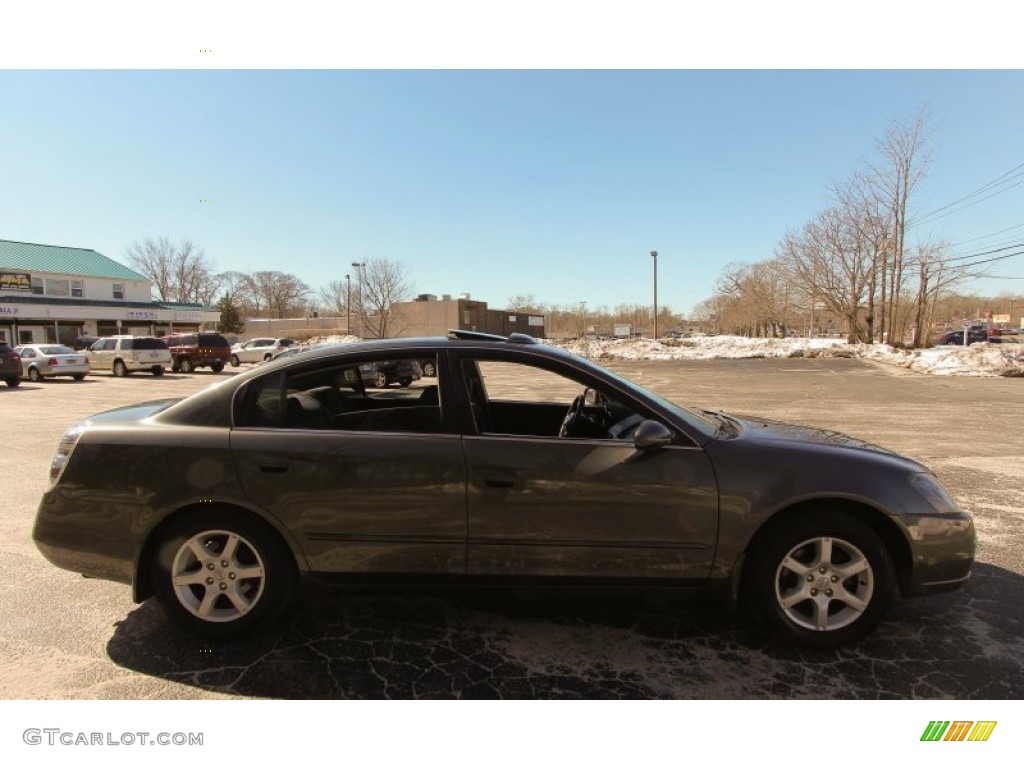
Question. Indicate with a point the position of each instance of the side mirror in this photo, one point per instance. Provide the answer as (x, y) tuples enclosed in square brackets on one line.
[(651, 434)]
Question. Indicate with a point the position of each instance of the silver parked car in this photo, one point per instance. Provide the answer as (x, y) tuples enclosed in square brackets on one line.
[(122, 355), (258, 350), (38, 361)]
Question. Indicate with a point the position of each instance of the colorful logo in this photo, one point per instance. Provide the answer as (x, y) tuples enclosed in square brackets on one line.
[(958, 730)]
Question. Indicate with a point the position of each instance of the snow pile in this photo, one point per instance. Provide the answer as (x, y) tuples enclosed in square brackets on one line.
[(977, 360)]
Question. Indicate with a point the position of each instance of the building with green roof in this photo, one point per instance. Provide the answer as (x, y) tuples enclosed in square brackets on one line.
[(53, 293)]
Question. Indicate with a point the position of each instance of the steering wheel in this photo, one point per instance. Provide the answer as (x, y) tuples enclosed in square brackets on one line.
[(572, 416)]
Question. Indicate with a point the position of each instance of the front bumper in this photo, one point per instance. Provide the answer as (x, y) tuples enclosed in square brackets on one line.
[(942, 552)]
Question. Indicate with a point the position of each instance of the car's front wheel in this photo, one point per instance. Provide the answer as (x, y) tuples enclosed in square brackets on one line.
[(380, 379), (120, 369), (34, 374), (223, 573), (429, 369), (217, 367), (157, 370), (235, 362), (823, 579), (186, 365)]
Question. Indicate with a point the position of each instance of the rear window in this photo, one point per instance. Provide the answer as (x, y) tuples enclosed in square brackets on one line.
[(212, 340), (144, 343), (56, 349)]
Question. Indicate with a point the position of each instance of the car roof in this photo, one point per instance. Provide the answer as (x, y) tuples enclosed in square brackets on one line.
[(455, 340)]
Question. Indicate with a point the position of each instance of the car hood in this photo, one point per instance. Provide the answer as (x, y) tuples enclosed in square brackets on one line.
[(782, 434), (135, 412)]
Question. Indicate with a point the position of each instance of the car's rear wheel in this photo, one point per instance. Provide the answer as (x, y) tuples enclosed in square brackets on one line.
[(217, 367), (186, 365), (78, 376), (380, 379), (267, 356), (12, 381), (823, 579), (158, 370), (429, 369), (34, 374), (119, 368), (235, 362), (223, 573)]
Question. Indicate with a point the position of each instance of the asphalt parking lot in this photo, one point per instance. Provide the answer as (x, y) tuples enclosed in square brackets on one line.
[(63, 637)]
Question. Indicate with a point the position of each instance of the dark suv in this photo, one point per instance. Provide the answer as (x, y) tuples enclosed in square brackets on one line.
[(10, 365), (198, 350)]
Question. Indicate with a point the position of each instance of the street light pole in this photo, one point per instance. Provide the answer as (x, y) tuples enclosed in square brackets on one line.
[(348, 305), (358, 265), (654, 256)]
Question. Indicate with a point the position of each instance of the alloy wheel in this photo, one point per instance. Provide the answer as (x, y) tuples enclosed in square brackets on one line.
[(218, 576), (824, 583)]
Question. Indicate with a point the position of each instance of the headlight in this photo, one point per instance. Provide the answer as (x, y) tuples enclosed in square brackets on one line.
[(935, 494), (67, 444)]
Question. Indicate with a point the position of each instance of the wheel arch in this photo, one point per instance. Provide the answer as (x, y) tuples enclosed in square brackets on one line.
[(142, 586), (889, 532)]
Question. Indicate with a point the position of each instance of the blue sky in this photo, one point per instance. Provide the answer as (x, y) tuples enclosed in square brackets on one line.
[(496, 183)]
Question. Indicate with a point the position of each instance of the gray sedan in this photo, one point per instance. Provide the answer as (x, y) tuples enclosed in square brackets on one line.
[(522, 463), (40, 361)]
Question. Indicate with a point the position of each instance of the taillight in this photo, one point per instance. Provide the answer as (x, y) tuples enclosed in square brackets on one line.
[(52, 361), (65, 447)]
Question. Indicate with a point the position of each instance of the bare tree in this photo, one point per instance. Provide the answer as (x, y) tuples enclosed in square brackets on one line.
[(181, 272), (276, 293), (334, 297), (383, 284), (904, 162)]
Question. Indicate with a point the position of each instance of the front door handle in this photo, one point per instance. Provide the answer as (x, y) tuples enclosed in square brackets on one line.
[(271, 469)]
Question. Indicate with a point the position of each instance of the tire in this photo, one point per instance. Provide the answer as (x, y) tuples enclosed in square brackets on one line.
[(429, 369), (266, 357), (235, 362), (217, 367), (405, 382), (201, 594), (186, 365), (158, 370), (12, 381), (175, 367), (824, 579), (78, 376), (380, 380), (34, 374), (120, 369)]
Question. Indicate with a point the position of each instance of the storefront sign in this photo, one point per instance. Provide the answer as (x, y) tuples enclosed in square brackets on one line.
[(8, 311), (141, 314), (16, 281)]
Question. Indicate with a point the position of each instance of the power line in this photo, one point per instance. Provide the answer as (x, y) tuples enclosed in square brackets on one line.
[(1012, 173), (929, 218)]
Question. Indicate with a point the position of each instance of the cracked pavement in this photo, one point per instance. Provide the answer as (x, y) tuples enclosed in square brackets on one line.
[(65, 637)]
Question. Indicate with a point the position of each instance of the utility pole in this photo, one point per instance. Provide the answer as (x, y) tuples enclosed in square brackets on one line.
[(654, 256)]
